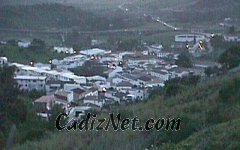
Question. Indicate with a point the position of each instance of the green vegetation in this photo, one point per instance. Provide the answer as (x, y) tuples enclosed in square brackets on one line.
[(89, 68), (230, 58), (47, 16), (18, 120), (219, 43), (184, 60), (206, 119), (25, 55)]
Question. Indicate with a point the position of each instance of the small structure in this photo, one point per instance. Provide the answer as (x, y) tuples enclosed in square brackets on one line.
[(3, 61), (43, 104), (63, 97), (93, 52), (64, 50), (188, 38), (22, 44)]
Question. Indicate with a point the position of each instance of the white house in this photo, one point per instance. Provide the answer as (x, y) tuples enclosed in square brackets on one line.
[(3, 61), (232, 38), (114, 72), (94, 51), (188, 38), (63, 97), (77, 112), (124, 85), (52, 86), (22, 44), (179, 72), (160, 73), (93, 100), (30, 83), (155, 83), (66, 50), (155, 48)]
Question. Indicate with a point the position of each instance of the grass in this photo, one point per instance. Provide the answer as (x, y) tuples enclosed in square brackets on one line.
[(15, 54)]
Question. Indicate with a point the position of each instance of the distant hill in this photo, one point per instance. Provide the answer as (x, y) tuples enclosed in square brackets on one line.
[(208, 10), (58, 16)]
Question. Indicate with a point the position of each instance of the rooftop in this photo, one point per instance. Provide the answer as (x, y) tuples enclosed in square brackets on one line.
[(62, 93), (21, 77), (94, 51), (124, 84), (78, 91), (145, 78), (45, 99)]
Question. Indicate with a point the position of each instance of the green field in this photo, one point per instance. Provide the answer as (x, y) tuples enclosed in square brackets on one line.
[(15, 54)]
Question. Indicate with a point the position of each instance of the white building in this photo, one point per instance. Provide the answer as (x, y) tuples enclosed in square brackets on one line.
[(232, 38), (3, 61), (63, 97), (77, 112), (94, 51), (93, 100), (188, 38), (155, 48), (23, 44), (161, 74), (66, 50), (124, 85), (30, 83)]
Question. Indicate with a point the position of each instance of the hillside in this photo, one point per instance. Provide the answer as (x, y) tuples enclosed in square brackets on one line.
[(209, 10), (223, 135), (209, 113), (58, 16)]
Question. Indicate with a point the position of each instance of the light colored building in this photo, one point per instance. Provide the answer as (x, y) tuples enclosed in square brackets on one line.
[(188, 38), (160, 73), (52, 86), (124, 85), (22, 44), (77, 112), (66, 50), (94, 51), (30, 83), (3, 61), (232, 38), (94, 100), (63, 97), (155, 48), (44, 103)]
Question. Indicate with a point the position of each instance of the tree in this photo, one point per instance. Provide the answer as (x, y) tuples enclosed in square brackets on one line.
[(12, 110), (232, 30), (89, 68), (217, 41), (57, 109), (211, 70), (184, 60), (37, 44), (176, 85), (230, 58), (9, 104)]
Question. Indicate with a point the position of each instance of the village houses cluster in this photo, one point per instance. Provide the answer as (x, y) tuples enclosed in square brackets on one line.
[(130, 76)]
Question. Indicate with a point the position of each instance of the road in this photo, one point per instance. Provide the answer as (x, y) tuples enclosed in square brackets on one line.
[(124, 8), (80, 32)]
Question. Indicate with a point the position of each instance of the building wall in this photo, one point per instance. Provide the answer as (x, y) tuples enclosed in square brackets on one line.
[(29, 84), (188, 38)]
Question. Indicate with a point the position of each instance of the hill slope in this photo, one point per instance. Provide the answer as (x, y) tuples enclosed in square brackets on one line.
[(204, 108)]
